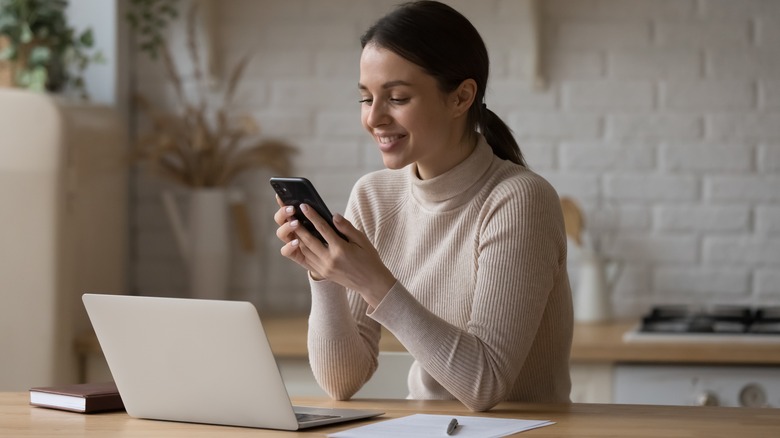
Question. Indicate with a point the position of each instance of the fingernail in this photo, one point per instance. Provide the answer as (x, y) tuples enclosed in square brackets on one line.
[(294, 223), (305, 208), (337, 217), (295, 242), (290, 209)]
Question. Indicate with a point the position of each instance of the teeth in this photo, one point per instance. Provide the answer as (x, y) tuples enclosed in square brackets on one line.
[(390, 139)]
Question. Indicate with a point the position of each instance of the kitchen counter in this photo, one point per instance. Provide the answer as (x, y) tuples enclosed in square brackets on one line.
[(604, 343), (592, 343), (598, 354)]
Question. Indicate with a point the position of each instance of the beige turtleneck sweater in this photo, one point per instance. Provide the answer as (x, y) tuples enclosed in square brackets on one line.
[(482, 300)]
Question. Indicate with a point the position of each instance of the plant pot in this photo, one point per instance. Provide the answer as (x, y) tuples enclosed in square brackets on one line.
[(203, 239)]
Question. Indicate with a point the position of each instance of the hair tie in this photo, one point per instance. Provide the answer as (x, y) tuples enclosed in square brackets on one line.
[(484, 113)]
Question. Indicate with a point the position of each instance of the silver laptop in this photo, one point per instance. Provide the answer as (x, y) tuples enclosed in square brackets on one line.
[(198, 361)]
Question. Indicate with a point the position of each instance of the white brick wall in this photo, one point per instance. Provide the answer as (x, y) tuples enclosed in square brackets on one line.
[(708, 95), (710, 283), (706, 158), (703, 33), (662, 117), (654, 63), (606, 96), (703, 218)]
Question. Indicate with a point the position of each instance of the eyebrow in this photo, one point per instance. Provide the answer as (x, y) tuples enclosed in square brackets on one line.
[(387, 85)]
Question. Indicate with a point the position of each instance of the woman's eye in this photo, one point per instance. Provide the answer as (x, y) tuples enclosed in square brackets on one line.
[(392, 100)]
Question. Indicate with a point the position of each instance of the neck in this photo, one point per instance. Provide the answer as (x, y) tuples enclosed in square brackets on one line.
[(458, 152)]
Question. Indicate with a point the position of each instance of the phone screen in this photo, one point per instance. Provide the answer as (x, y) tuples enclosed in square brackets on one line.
[(295, 191)]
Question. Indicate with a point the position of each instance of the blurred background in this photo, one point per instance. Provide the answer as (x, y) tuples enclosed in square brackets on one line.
[(659, 119)]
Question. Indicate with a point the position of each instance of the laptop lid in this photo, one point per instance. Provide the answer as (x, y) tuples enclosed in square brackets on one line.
[(200, 361)]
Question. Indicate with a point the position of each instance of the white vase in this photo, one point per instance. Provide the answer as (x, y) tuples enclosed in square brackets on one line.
[(203, 240)]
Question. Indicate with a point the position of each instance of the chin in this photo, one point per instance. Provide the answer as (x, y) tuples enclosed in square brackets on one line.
[(394, 164)]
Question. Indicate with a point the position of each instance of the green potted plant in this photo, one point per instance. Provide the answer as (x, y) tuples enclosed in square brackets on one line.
[(39, 50)]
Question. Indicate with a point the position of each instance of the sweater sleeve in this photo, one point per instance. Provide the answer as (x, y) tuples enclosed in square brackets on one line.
[(343, 342), (519, 255), (343, 349)]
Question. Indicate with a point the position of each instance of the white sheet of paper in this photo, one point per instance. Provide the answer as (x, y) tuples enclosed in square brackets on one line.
[(427, 426)]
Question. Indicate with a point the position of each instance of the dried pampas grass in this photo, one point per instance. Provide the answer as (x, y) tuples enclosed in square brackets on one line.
[(203, 146)]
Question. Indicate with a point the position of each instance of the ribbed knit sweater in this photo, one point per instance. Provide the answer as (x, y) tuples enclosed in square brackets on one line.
[(482, 299)]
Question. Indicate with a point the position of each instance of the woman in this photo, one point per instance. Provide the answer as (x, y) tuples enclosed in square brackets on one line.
[(456, 248)]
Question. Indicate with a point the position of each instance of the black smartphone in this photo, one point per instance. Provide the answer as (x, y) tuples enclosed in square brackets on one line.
[(295, 191)]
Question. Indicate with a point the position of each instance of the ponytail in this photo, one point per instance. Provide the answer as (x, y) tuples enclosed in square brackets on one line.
[(499, 137)]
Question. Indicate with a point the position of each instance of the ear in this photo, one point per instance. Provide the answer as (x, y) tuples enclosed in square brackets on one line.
[(463, 97)]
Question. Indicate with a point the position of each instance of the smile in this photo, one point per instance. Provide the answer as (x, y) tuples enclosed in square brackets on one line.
[(387, 139)]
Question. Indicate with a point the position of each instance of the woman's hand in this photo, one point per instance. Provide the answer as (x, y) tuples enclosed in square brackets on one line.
[(288, 224), (355, 264)]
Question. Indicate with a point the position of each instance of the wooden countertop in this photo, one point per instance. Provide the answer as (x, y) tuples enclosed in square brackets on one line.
[(604, 343), (21, 420), (592, 343)]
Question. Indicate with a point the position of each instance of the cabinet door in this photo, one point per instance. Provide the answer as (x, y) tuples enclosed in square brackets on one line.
[(591, 383)]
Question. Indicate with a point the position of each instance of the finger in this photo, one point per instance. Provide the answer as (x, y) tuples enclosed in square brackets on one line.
[(320, 224), (309, 240), (287, 230), (295, 226), (346, 228), (313, 261), (283, 214), (304, 254), (292, 251)]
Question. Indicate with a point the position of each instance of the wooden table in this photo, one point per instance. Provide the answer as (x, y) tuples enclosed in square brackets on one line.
[(19, 420)]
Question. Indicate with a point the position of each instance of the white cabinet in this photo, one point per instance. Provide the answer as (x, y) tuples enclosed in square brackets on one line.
[(63, 229), (389, 380), (591, 382), (696, 384)]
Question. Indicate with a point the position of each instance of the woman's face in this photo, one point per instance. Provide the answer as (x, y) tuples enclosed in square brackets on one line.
[(410, 118)]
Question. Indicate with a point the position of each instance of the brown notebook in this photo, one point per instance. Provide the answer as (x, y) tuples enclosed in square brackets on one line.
[(85, 397)]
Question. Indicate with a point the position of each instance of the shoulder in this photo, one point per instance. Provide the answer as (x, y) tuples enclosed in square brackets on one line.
[(519, 202), (381, 185), (380, 178), (377, 195), (510, 182)]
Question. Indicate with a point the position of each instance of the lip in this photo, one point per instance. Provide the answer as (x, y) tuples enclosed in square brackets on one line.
[(388, 142)]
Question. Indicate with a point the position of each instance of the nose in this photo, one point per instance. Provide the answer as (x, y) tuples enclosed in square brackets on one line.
[(376, 115)]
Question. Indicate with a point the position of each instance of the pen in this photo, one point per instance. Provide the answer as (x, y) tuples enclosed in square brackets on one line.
[(452, 426)]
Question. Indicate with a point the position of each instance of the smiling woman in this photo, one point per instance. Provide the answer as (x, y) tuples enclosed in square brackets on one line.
[(409, 117), (457, 248)]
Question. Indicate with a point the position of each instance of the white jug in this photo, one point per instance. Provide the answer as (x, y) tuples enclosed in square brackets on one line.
[(592, 302)]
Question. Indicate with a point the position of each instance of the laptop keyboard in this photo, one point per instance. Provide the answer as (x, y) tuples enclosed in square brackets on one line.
[(305, 418)]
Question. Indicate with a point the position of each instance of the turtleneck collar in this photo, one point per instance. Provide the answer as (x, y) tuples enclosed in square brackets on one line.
[(451, 189)]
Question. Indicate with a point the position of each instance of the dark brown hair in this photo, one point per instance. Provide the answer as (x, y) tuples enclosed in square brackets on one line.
[(446, 45)]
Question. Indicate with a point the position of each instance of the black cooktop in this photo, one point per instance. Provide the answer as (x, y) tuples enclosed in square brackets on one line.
[(718, 319)]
